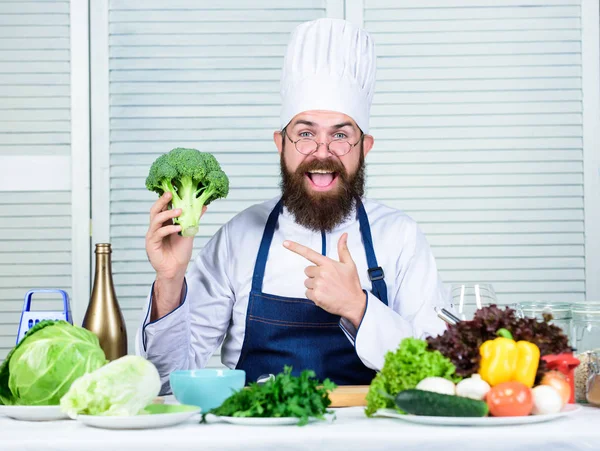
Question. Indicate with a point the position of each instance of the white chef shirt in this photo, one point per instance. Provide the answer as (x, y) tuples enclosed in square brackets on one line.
[(213, 309)]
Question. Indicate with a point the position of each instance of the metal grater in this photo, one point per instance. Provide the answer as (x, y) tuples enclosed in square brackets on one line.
[(30, 319)]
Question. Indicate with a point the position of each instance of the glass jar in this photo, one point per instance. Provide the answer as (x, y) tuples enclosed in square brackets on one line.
[(587, 378), (585, 338), (560, 311), (585, 335)]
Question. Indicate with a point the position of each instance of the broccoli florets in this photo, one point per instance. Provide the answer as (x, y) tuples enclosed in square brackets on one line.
[(194, 178)]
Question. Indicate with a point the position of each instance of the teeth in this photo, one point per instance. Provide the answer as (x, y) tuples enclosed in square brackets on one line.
[(320, 171)]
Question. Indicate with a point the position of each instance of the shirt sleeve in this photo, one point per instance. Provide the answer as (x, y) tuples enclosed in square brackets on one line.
[(186, 337), (411, 312)]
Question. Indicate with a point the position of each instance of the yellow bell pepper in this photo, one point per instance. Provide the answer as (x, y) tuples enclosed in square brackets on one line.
[(504, 360)]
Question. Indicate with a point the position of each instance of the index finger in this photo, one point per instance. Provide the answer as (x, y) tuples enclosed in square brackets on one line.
[(160, 204), (306, 252)]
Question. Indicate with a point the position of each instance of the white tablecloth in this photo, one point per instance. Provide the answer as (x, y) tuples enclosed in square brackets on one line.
[(350, 431)]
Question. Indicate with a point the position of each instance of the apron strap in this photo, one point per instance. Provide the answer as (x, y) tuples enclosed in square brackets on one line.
[(376, 275), (375, 271), (263, 250)]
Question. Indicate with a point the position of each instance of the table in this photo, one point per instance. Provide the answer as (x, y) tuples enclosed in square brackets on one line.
[(350, 431)]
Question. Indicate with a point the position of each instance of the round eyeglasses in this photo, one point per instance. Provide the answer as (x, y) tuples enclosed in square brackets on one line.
[(338, 147)]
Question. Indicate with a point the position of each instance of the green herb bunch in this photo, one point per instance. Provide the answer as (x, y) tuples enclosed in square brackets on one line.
[(286, 395)]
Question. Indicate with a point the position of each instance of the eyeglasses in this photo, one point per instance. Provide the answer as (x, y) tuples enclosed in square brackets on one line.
[(338, 147)]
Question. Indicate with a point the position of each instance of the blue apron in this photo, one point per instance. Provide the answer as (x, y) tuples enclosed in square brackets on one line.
[(294, 331)]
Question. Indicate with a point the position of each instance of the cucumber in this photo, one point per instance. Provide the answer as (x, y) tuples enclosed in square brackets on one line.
[(421, 402)]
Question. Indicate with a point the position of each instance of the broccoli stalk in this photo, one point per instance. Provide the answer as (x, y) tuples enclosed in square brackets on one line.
[(185, 197), (194, 178)]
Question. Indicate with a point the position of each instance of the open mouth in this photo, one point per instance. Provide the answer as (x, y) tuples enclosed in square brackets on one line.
[(321, 179)]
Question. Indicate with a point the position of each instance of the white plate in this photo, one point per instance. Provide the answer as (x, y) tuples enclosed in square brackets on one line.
[(268, 421), (34, 413), (151, 421), (569, 409), (252, 421)]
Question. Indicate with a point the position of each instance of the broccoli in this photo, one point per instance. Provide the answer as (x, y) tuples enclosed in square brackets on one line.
[(194, 178)]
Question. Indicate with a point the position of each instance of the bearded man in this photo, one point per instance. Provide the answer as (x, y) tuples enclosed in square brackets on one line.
[(318, 278)]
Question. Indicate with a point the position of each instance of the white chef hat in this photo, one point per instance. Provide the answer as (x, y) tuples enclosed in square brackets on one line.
[(330, 64)]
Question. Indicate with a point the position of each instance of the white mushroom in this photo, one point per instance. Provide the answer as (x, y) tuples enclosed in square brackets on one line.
[(474, 387), (437, 385)]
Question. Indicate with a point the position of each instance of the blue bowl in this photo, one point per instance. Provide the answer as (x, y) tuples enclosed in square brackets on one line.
[(206, 388)]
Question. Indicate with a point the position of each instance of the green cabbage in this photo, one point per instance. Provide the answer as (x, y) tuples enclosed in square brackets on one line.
[(405, 368), (40, 369), (121, 388)]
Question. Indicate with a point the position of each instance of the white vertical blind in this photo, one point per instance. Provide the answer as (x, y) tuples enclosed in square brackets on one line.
[(35, 193), (590, 54), (478, 135), (196, 74)]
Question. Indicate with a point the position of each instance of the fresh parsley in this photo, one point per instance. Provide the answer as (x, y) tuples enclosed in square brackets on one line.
[(286, 395)]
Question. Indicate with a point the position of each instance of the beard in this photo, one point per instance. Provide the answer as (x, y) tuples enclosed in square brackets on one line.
[(321, 211)]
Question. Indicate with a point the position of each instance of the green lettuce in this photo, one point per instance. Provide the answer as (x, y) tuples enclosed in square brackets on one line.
[(40, 369), (124, 387), (404, 369)]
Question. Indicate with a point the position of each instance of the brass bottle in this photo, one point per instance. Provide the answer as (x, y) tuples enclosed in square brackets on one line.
[(103, 315)]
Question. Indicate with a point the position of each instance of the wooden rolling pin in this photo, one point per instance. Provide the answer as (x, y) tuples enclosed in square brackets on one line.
[(349, 395)]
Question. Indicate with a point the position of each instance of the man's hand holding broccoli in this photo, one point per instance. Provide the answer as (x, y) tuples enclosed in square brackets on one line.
[(187, 180)]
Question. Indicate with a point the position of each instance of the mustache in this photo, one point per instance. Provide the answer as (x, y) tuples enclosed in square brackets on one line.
[(323, 165)]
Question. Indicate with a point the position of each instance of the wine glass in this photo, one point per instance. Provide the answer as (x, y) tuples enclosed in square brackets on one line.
[(467, 298)]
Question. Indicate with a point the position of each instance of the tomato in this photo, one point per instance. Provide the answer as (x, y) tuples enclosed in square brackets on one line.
[(559, 382), (510, 399)]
